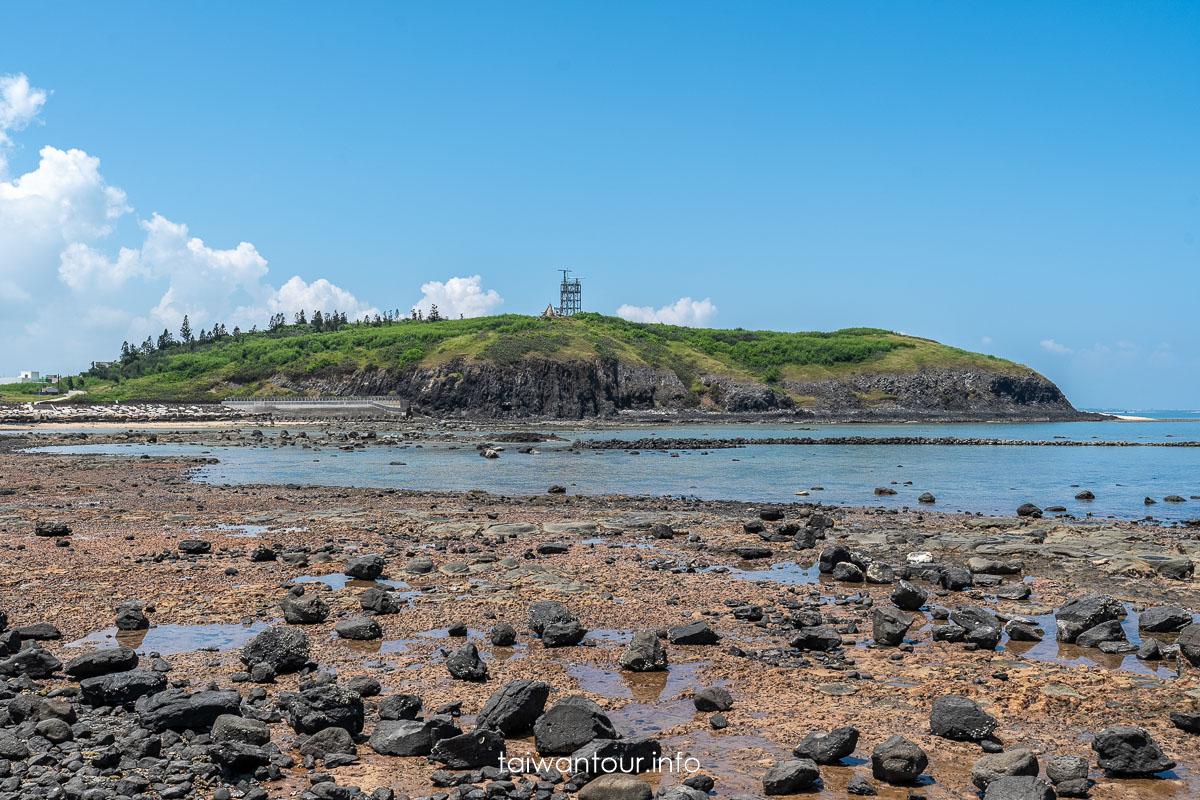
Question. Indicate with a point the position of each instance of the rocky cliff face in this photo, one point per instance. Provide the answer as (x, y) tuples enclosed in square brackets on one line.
[(575, 390), (939, 391)]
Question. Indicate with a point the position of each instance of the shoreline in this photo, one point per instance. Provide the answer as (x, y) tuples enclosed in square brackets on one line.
[(155, 413)]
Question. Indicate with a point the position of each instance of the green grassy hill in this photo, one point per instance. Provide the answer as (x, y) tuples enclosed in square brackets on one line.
[(274, 362)]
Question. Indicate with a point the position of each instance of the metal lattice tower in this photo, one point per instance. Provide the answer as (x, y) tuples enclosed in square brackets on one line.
[(570, 295)]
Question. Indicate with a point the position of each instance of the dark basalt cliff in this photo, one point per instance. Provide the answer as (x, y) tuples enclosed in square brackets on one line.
[(544, 388)]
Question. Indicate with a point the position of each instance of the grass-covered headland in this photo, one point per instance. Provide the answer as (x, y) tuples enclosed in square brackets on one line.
[(218, 363)]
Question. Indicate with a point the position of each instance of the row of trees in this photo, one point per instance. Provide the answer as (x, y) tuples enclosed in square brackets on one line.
[(319, 322)]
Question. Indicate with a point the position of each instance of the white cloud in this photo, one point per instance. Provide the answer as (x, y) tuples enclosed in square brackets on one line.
[(19, 105), (684, 311), (85, 268), (63, 202), (1051, 346), (457, 296), (986, 340), (69, 294), (296, 295)]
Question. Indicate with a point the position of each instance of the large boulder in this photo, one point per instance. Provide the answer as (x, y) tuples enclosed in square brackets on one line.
[(239, 757), (1110, 631), (1088, 611), (957, 717), (379, 600), (1127, 750), (502, 635), (790, 777), (131, 617), (233, 728), (327, 742), (51, 529), (616, 786), (821, 638), (908, 596), (282, 648), (973, 617), (325, 706), (563, 634), (713, 698), (644, 653), (411, 737), (303, 608), (995, 766), (548, 612), (1061, 769), (365, 568), (1189, 643), (832, 556), (570, 724), (1019, 787), (400, 706), (121, 688), (514, 708), (828, 748), (102, 662), (179, 710), (633, 755), (898, 761), (954, 579), (1164, 619), (466, 665), (890, 625), (478, 748), (33, 662), (359, 629), (693, 633)]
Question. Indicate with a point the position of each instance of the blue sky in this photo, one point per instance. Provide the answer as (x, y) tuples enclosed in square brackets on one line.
[(1018, 178)]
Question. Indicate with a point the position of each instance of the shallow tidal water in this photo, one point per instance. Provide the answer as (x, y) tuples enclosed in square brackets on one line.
[(984, 479)]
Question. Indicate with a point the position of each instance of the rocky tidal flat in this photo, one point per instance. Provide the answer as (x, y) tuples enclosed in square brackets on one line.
[(164, 638)]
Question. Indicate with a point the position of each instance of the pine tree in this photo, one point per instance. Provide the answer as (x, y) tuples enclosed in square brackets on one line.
[(318, 320), (185, 331), (434, 316), (300, 318), (165, 340)]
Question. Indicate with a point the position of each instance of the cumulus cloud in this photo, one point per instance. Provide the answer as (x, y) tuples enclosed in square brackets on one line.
[(459, 296), (1051, 346), (295, 295), (684, 311), (20, 104), (63, 203), (70, 294)]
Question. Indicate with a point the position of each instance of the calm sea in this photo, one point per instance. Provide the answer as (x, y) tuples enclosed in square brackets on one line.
[(991, 480)]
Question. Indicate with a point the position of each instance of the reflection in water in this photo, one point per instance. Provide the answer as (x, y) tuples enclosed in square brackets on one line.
[(656, 704), (785, 572), (337, 580), (1051, 650), (169, 639), (442, 635)]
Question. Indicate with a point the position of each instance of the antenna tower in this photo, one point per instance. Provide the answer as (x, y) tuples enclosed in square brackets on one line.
[(570, 295)]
